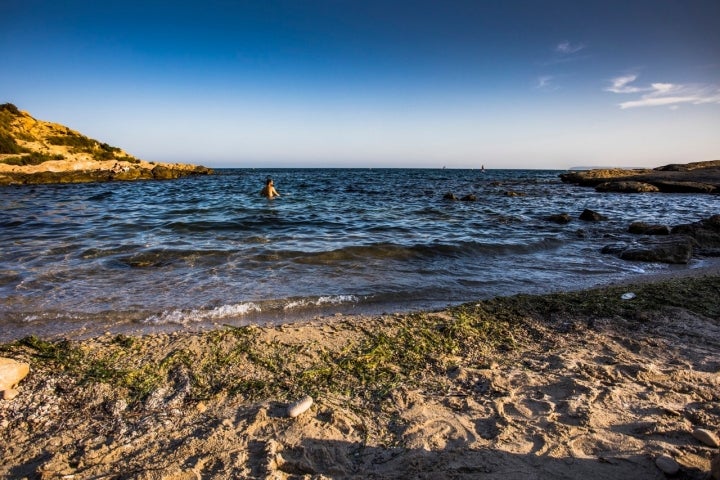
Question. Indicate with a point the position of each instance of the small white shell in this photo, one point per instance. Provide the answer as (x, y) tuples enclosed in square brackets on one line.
[(299, 407), (627, 296)]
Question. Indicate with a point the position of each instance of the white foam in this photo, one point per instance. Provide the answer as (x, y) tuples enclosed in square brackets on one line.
[(184, 317), (331, 299)]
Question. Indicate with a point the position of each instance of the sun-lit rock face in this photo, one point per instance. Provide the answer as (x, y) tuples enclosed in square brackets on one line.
[(36, 151)]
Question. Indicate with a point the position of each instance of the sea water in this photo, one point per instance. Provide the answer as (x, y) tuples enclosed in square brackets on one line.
[(199, 252)]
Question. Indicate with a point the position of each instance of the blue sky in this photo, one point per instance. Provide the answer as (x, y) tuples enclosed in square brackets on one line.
[(505, 84)]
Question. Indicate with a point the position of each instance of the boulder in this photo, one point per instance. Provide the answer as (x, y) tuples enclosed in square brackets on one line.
[(11, 372), (511, 193), (469, 198), (626, 187), (705, 232), (450, 196), (164, 173), (590, 216), (676, 249), (561, 218), (642, 228)]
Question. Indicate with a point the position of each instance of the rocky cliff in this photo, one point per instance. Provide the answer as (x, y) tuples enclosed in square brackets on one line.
[(35, 151)]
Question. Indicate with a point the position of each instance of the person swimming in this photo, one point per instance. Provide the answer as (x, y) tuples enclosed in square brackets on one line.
[(269, 189)]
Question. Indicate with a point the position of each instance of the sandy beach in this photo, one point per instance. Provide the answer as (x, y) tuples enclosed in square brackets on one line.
[(568, 385)]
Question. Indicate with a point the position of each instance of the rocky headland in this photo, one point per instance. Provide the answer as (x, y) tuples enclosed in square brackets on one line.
[(695, 177), (34, 151)]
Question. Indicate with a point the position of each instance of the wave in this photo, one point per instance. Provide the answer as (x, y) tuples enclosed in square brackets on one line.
[(392, 251), (187, 317)]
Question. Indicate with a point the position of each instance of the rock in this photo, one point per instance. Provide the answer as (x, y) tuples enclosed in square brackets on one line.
[(299, 407), (706, 233), (684, 187), (590, 216), (706, 436), (9, 394), (450, 196), (673, 250), (627, 186), (642, 228), (11, 372), (469, 198), (667, 465), (715, 467), (164, 173), (511, 193), (560, 218)]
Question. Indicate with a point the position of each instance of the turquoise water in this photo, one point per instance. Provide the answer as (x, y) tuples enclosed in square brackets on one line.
[(198, 252)]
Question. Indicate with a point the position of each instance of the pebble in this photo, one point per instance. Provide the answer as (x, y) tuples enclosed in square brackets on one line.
[(706, 436), (299, 407), (668, 465)]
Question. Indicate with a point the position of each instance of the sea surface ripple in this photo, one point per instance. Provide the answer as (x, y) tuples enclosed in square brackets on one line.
[(198, 252)]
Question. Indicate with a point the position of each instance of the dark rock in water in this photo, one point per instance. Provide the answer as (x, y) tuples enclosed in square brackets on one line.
[(450, 196), (705, 232), (684, 187), (469, 198), (590, 216), (675, 249), (642, 228), (511, 193), (627, 187), (561, 218), (614, 249)]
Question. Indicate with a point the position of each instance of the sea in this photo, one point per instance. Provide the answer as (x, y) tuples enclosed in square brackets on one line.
[(197, 253)]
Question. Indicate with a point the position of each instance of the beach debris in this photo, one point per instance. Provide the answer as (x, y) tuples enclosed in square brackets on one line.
[(628, 296), (11, 372), (706, 436), (667, 465), (299, 407)]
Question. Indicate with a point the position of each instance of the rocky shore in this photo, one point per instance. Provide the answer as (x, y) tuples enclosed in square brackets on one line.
[(34, 151), (615, 382), (695, 177)]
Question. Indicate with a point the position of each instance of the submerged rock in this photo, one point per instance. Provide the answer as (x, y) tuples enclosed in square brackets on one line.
[(591, 216), (561, 218), (642, 228), (673, 250)]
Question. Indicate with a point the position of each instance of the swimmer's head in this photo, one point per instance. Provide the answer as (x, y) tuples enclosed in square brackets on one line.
[(268, 181)]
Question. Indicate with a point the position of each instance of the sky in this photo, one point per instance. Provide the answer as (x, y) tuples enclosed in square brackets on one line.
[(341, 83)]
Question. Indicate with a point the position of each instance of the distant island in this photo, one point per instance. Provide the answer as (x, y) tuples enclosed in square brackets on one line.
[(34, 151)]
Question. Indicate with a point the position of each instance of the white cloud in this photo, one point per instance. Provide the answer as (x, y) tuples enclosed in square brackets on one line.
[(568, 48), (545, 82), (663, 94)]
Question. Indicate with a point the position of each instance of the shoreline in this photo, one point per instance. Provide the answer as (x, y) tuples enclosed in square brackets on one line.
[(565, 384)]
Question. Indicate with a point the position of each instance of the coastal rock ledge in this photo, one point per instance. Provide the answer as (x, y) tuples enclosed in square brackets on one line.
[(695, 177), (35, 152)]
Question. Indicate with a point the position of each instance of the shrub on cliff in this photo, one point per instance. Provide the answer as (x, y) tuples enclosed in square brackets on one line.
[(7, 144), (35, 158), (10, 108)]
